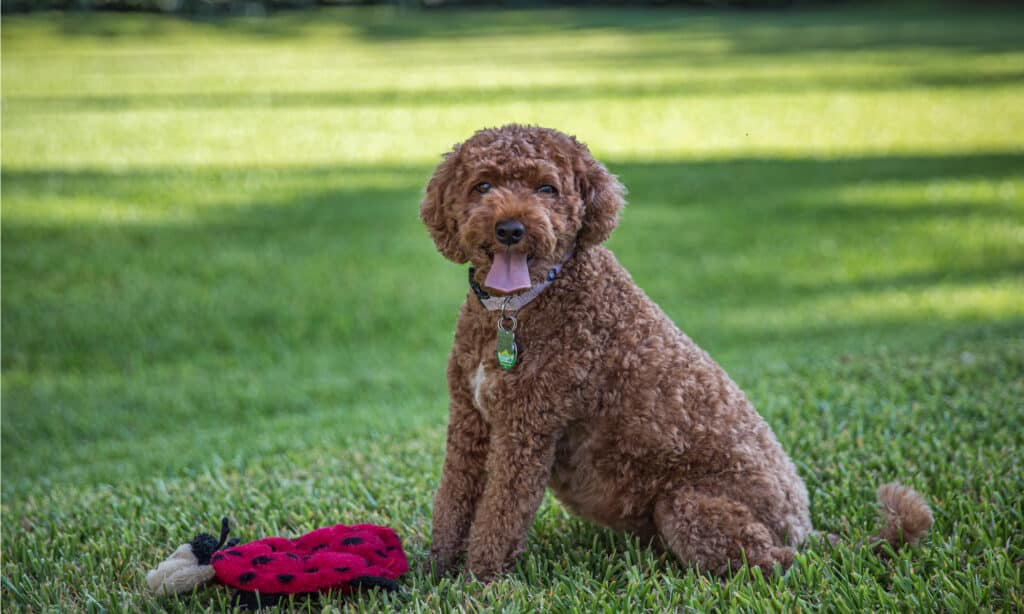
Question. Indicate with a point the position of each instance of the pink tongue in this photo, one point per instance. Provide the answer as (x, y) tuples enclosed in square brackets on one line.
[(508, 273)]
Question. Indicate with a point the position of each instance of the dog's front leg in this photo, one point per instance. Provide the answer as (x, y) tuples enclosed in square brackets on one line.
[(462, 482), (518, 468)]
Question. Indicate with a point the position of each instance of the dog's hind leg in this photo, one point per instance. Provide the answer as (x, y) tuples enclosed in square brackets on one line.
[(716, 534)]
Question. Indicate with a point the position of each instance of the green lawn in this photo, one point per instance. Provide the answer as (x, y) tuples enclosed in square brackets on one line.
[(218, 297)]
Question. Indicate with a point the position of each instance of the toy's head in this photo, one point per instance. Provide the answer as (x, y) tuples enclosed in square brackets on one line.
[(180, 573)]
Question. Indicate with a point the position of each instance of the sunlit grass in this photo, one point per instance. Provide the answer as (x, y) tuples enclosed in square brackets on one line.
[(218, 297), (371, 93), (304, 130)]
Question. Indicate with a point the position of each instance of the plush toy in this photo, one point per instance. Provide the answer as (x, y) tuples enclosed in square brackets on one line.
[(343, 558)]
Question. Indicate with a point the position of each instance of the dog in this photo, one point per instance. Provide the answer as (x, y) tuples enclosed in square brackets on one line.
[(565, 375)]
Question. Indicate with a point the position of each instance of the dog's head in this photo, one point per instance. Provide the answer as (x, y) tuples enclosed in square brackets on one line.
[(514, 200)]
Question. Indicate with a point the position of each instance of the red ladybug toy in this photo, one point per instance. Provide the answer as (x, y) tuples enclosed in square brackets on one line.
[(339, 557)]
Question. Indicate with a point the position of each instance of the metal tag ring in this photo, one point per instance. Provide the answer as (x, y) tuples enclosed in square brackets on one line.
[(501, 320)]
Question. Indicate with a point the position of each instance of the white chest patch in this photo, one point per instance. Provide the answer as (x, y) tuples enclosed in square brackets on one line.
[(476, 384)]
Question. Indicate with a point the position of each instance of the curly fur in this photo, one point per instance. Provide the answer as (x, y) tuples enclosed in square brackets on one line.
[(612, 407), (906, 517)]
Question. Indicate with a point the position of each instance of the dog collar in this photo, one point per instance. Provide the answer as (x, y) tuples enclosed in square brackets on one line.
[(515, 302)]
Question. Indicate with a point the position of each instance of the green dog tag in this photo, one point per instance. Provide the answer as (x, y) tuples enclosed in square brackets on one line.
[(507, 352)]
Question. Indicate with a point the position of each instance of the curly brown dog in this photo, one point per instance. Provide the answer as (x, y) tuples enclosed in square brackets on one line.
[(600, 396)]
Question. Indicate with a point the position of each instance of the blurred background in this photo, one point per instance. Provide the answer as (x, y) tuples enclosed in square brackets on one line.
[(263, 7), (214, 272)]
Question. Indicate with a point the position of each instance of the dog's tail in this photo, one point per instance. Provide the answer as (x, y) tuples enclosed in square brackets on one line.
[(906, 518)]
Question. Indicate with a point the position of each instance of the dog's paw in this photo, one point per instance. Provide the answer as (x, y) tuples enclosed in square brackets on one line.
[(776, 560), (485, 573), (438, 565)]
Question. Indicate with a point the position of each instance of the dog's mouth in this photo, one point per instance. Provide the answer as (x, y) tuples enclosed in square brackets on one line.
[(510, 271)]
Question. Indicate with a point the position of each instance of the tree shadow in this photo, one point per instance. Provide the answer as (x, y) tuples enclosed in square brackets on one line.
[(797, 31), (453, 97), (339, 257), (282, 276)]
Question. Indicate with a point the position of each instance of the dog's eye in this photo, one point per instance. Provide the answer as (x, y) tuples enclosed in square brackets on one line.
[(547, 189), (483, 188)]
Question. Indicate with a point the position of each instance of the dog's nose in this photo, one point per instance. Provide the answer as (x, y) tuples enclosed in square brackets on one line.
[(509, 232)]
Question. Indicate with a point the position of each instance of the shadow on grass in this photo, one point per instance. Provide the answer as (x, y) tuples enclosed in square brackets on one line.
[(542, 93), (804, 31), (294, 290), (317, 257)]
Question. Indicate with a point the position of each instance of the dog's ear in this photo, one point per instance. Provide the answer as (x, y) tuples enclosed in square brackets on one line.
[(603, 197), (437, 213)]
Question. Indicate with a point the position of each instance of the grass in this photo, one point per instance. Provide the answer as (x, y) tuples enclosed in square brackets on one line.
[(217, 296)]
